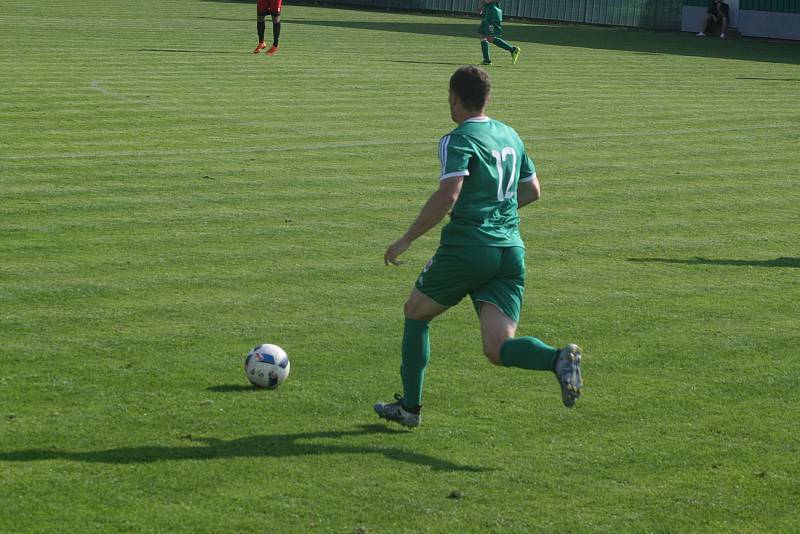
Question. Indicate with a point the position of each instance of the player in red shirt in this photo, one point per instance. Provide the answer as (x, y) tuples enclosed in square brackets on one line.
[(264, 8)]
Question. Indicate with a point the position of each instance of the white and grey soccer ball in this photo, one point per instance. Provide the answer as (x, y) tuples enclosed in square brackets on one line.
[(267, 366)]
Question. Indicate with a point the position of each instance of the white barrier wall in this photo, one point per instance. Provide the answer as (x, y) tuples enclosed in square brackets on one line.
[(692, 18), (769, 24)]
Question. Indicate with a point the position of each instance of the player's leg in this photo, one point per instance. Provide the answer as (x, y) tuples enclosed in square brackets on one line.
[(496, 329), (487, 59), (419, 310), (724, 23), (528, 352), (276, 33), (276, 28), (505, 45), (483, 34), (444, 281), (275, 11), (499, 41), (260, 28), (496, 32), (499, 303)]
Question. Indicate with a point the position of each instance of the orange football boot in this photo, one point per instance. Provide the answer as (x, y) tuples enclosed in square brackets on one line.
[(261, 46), (272, 50)]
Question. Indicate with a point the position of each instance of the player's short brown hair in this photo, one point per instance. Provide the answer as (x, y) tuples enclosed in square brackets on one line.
[(472, 86)]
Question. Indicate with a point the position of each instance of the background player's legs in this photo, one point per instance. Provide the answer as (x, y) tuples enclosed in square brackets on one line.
[(260, 27), (487, 60), (276, 32), (276, 28), (498, 41)]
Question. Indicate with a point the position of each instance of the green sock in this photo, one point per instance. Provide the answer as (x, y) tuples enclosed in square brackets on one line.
[(485, 50), (416, 353), (528, 353), (502, 44)]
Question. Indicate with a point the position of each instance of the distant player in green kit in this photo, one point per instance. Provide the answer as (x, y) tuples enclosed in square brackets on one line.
[(491, 30), (485, 176)]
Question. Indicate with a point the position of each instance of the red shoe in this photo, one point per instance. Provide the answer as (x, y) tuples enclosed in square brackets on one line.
[(261, 46), (272, 50)]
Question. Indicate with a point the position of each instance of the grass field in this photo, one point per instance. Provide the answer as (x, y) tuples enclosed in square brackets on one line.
[(169, 200)]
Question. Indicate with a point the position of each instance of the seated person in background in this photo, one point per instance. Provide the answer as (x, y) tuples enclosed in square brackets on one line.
[(717, 13)]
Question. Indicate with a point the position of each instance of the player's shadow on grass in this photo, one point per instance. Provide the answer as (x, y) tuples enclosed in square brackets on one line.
[(421, 62), (768, 79), (267, 446), (584, 36), (777, 262), (183, 51)]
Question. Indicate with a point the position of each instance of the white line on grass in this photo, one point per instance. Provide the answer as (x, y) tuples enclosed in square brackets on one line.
[(95, 84), (368, 144)]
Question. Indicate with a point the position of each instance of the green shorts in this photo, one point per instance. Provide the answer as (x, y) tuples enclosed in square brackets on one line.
[(486, 274), (495, 29)]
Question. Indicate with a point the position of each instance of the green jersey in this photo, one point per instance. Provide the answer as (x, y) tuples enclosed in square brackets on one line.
[(492, 14), (491, 157)]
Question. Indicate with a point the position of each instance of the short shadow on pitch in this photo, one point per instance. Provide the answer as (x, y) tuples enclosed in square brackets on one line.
[(267, 446), (231, 388), (420, 62), (184, 51), (756, 78), (227, 19), (777, 262)]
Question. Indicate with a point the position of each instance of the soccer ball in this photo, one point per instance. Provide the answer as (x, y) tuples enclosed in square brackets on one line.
[(267, 366)]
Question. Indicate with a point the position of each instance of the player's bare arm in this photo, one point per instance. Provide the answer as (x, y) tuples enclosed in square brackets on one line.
[(528, 192), (431, 214)]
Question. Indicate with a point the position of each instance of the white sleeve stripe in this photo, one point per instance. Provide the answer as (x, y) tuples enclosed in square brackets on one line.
[(443, 152), (528, 178), (453, 174)]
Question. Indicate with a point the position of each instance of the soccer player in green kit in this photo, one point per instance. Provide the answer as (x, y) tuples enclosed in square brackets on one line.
[(485, 176), (491, 30)]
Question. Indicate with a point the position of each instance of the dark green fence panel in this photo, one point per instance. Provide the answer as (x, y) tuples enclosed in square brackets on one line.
[(776, 6), (651, 14)]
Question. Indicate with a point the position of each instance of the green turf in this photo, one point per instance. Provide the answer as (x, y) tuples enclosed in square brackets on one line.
[(168, 200)]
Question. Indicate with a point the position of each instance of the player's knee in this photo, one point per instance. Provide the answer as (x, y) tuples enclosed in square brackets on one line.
[(412, 311), (492, 356), (491, 349)]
